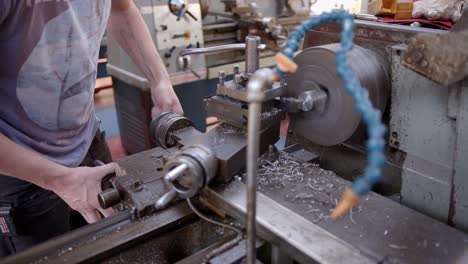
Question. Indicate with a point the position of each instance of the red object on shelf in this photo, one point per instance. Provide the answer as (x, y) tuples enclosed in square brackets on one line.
[(447, 25)]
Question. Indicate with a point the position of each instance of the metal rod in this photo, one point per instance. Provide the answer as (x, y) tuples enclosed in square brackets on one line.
[(175, 173), (220, 14), (252, 163), (220, 26), (227, 47), (258, 83), (252, 54)]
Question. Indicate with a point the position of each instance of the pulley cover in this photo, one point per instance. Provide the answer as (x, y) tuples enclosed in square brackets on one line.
[(339, 120)]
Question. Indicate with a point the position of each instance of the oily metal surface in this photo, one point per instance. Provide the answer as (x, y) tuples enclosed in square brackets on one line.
[(105, 238), (142, 184), (239, 93), (117, 232), (278, 225), (229, 145), (339, 120), (444, 66), (375, 36), (380, 228), (173, 245), (235, 114)]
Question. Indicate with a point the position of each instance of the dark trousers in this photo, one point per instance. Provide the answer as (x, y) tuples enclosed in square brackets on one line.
[(41, 214)]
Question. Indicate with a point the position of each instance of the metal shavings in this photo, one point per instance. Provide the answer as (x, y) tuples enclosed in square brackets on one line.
[(228, 129), (316, 220), (313, 210), (351, 216), (310, 188), (314, 188), (282, 171), (273, 112), (397, 246), (303, 196), (359, 208)]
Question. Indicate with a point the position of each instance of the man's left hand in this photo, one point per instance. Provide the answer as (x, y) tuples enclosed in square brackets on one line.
[(165, 100)]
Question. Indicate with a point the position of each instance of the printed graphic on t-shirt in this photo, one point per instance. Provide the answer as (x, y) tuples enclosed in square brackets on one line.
[(55, 84)]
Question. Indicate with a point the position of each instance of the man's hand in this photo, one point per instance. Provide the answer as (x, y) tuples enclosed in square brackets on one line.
[(79, 188), (165, 100), (128, 28)]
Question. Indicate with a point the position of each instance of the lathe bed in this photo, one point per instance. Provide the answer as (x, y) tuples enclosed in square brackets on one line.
[(291, 194)]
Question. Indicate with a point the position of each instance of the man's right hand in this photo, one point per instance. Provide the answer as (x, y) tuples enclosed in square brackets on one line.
[(79, 188)]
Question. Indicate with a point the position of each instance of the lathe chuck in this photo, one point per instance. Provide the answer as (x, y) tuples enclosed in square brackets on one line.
[(339, 119)]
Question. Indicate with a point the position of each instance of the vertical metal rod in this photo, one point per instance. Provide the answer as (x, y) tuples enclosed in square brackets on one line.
[(253, 138), (258, 83), (252, 54)]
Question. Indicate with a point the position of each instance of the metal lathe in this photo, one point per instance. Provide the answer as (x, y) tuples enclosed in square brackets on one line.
[(229, 195)]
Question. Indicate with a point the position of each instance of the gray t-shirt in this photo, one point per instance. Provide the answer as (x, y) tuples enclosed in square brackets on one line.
[(49, 52)]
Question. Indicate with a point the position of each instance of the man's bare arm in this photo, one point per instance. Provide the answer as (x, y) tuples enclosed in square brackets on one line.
[(78, 187), (128, 28)]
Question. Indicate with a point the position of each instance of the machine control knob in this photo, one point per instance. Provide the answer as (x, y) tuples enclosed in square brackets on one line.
[(187, 173), (168, 54), (109, 198), (162, 127), (165, 199), (190, 170), (179, 9)]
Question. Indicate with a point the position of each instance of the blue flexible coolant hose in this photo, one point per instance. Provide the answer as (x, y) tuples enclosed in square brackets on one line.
[(371, 116)]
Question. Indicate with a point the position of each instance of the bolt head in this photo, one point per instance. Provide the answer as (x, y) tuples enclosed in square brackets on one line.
[(307, 102)]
